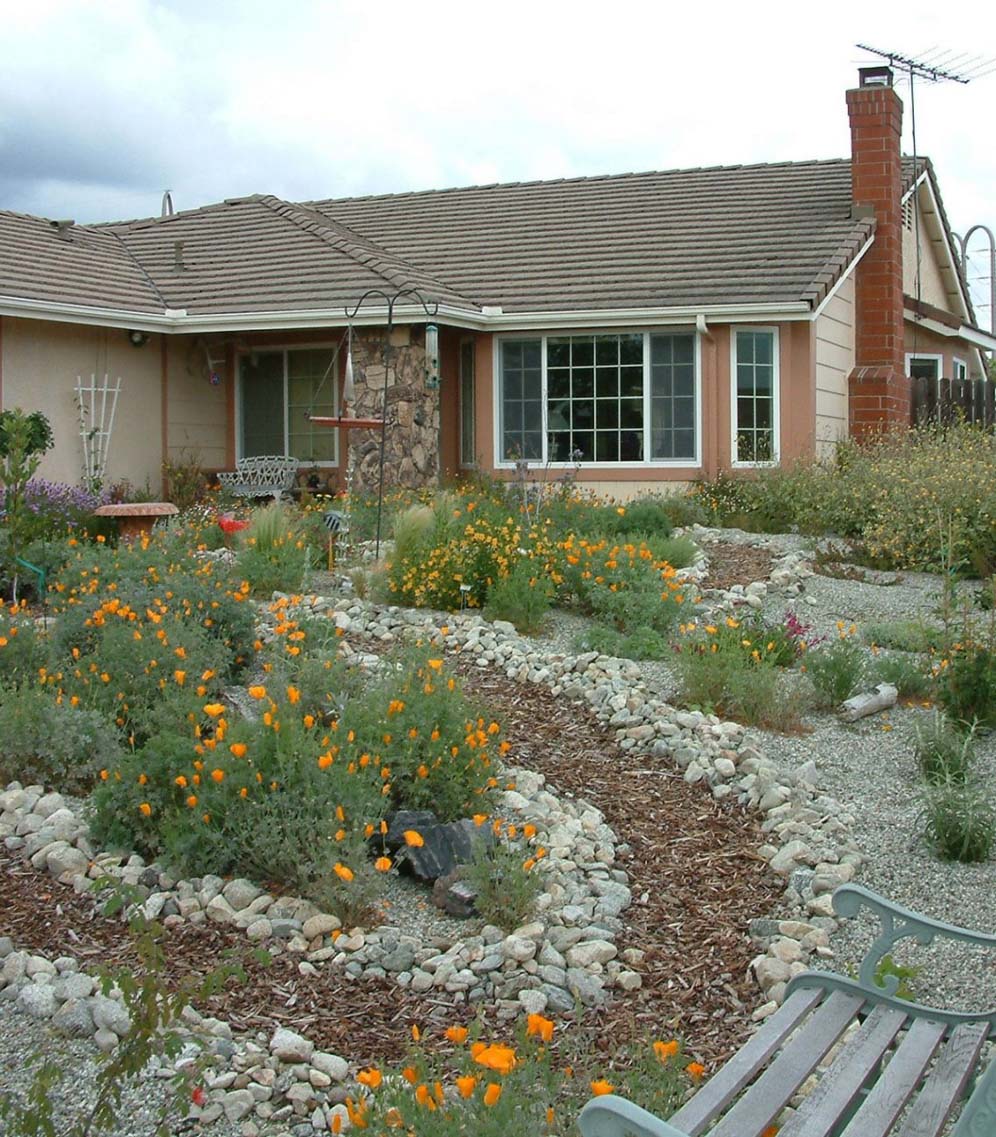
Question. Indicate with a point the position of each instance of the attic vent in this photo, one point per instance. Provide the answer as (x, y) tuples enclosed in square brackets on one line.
[(178, 256), (62, 229), (908, 214)]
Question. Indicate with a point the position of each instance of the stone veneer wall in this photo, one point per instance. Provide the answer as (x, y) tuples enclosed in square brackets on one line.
[(412, 455)]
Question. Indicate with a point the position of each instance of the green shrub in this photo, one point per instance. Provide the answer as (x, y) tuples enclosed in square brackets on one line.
[(903, 635), (278, 799), (646, 516), (912, 678), (185, 480), (23, 648), (959, 821), (440, 749), (944, 755), (52, 742), (837, 669), (966, 684), (523, 597), (504, 877), (642, 643)]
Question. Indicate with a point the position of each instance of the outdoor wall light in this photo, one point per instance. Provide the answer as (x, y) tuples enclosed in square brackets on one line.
[(431, 356), (137, 338)]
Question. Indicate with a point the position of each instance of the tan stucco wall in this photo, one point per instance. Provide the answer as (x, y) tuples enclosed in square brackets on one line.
[(932, 290), (40, 364), (197, 410), (834, 336)]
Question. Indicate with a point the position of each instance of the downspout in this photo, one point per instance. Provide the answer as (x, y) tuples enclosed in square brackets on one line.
[(710, 455)]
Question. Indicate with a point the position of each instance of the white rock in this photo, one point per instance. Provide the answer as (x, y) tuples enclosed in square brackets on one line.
[(289, 1046)]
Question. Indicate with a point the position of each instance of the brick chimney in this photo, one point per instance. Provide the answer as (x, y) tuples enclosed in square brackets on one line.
[(878, 387)]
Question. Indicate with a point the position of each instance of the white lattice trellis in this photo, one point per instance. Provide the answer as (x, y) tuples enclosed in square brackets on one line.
[(96, 404)]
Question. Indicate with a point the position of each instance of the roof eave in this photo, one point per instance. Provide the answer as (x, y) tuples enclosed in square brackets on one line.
[(179, 321)]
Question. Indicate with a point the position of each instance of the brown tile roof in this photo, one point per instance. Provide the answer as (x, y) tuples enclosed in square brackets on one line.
[(772, 234), (727, 235)]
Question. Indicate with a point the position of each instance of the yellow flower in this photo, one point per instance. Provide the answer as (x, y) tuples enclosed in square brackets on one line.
[(218, 775), (492, 1093), (145, 809), (293, 695), (414, 838), (191, 801), (214, 709), (180, 677), (601, 1087), (239, 749), (370, 1077), (456, 1034), (343, 872), (257, 691), (695, 1069), (383, 864), (466, 1085)]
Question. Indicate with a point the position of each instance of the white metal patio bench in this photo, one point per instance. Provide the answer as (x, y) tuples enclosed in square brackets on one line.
[(904, 1071), (263, 475)]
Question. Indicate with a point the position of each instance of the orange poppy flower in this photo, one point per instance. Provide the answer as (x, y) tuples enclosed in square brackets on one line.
[(601, 1087), (492, 1093)]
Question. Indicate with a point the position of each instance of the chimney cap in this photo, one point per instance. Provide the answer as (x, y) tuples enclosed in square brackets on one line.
[(879, 75)]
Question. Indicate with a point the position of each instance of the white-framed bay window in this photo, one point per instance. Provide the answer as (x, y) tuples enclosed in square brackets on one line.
[(599, 399), (754, 396), (278, 388), (924, 365)]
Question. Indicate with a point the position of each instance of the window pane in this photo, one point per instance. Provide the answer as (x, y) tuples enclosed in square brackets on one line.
[(607, 349), (262, 399), (558, 353), (521, 408), (584, 441), (582, 351), (558, 383), (631, 381), (631, 413), (607, 382), (583, 383), (631, 446), (607, 413), (673, 395), (607, 446), (631, 349)]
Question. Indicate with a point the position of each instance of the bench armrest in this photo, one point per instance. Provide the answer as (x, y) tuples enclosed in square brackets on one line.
[(896, 923), (612, 1116)]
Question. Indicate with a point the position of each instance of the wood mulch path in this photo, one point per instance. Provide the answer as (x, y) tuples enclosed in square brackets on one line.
[(731, 564), (695, 876)]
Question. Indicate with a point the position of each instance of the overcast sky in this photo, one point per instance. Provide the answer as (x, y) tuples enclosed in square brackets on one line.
[(106, 103)]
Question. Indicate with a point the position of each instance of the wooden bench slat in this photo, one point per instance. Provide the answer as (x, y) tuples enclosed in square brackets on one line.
[(726, 1083), (843, 1082), (766, 1098), (946, 1082), (886, 1099)]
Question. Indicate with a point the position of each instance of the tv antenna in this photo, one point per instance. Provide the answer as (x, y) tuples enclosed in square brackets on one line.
[(938, 65)]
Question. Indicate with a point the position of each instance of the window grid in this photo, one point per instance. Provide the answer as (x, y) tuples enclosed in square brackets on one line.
[(522, 400), (606, 398), (754, 409)]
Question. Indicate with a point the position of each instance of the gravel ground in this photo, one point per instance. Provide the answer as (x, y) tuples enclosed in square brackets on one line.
[(26, 1043)]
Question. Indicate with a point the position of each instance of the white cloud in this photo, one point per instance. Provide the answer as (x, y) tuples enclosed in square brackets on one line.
[(102, 106)]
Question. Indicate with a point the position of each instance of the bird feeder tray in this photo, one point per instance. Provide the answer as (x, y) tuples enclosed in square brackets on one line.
[(347, 423)]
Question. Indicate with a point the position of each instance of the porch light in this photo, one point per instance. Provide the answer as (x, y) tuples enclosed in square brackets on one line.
[(431, 356)]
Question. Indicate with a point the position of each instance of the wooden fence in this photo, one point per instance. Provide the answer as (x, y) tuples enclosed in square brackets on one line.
[(952, 400)]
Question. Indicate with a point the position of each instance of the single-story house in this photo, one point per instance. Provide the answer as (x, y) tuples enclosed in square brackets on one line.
[(643, 328)]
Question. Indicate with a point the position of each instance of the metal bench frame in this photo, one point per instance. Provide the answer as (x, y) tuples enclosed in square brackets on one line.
[(902, 1071), (263, 475)]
